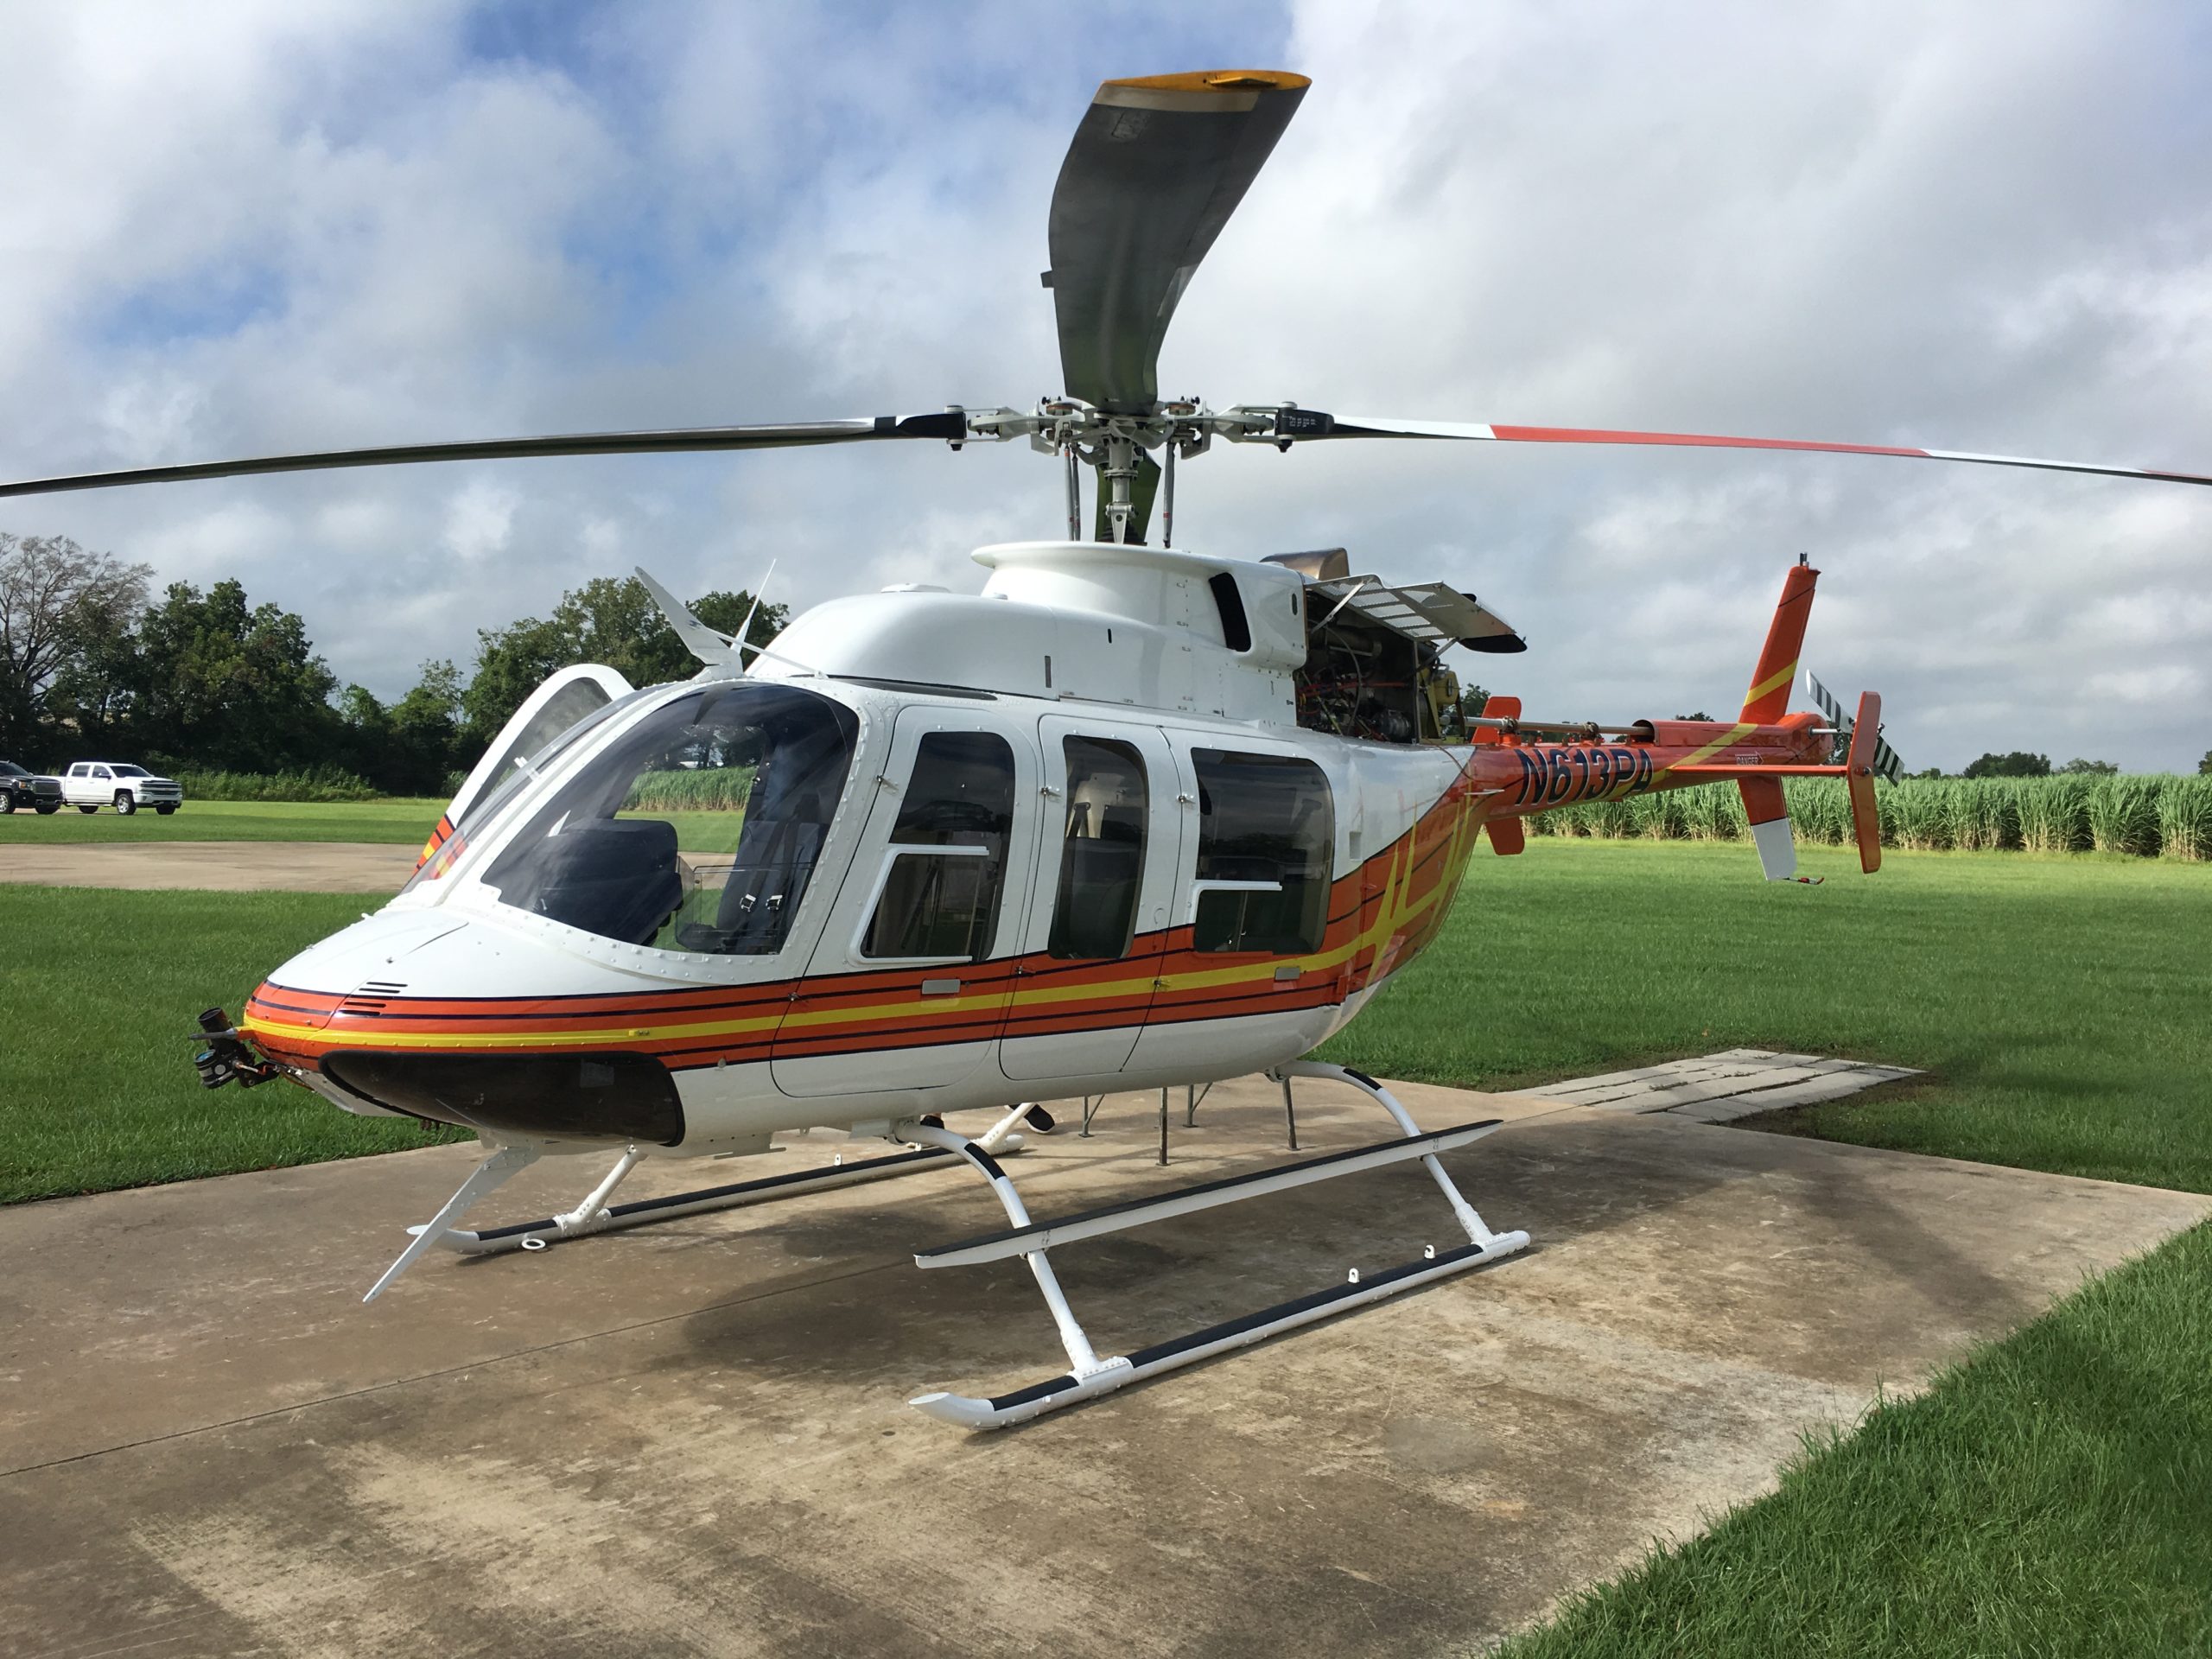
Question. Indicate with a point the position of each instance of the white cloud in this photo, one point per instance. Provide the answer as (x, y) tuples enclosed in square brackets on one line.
[(261, 226), (480, 521)]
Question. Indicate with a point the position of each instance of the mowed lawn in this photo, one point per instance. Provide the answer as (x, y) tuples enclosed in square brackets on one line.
[(2053, 1495), (407, 823), (2061, 1004), (99, 993), (396, 820)]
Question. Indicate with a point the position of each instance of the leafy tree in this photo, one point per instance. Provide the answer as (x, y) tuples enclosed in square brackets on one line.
[(57, 603), (409, 747), (606, 620), (1700, 714), (2090, 768), (230, 687), (2204, 766), (2018, 764)]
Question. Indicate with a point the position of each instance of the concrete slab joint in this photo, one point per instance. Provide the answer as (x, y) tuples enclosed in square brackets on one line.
[(1721, 1088)]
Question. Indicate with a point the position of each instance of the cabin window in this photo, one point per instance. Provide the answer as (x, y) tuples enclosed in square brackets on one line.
[(1102, 851), (1265, 833), (579, 699), (1235, 629), (698, 829), (940, 899)]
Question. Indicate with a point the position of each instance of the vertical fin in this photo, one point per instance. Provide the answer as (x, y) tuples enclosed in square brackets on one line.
[(1768, 812), (1769, 697), (1507, 835)]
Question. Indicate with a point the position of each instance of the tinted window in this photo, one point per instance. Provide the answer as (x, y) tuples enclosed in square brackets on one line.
[(1266, 821), (1102, 851), (698, 829), (948, 851)]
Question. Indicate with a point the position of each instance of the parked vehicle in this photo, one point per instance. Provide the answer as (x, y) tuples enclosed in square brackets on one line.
[(21, 788), (91, 785)]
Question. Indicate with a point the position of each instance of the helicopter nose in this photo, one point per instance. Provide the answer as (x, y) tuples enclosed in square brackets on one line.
[(380, 1011), (612, 1096)]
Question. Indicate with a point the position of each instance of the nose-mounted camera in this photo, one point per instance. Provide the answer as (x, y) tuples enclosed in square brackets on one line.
[(227, 1059)]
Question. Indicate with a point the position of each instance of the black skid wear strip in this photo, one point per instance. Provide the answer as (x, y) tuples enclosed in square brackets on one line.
[(796, 1177), (1230, 1329)]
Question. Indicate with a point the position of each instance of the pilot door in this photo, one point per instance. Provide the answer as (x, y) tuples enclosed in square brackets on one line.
[(1107, 854), (908, 987)]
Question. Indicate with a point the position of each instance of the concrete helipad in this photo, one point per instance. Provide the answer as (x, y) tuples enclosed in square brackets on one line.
[(223, 866), (694, 1440)]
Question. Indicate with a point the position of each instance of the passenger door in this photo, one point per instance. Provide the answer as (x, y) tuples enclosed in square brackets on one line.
[(1108, 854), (1251, 910), (910, 984)]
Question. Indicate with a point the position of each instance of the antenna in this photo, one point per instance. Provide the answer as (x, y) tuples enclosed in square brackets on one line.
[(752, 610)]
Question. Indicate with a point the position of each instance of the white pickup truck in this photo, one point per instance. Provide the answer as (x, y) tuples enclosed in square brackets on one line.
[(89, 785)]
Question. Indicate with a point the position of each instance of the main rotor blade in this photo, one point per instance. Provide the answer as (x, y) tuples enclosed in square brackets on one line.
[(1157, 166), (950, 426), (1304, 425)]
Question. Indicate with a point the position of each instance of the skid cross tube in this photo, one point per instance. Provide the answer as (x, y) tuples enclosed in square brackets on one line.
[(1088, 1376), (1207, 1195)]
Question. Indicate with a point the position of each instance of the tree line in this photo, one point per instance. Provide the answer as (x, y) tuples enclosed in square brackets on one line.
[(92, 663)]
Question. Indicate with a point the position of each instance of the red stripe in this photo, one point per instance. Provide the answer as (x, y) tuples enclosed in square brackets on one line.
[(1418, 863)]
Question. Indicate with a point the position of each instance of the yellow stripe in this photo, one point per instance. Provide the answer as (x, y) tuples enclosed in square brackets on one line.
[(1780, 678), (1698, 756), (509, 1039), (1396, 910)]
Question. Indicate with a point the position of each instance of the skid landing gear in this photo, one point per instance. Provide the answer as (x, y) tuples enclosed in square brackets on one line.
[(1088, 1376), (594, 1215)]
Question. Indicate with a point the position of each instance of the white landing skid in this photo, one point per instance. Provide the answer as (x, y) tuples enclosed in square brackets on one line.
[(594, 1215), (1088, 1376)]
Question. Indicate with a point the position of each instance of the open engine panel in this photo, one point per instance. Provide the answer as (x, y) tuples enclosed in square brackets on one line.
[(1373, 667)]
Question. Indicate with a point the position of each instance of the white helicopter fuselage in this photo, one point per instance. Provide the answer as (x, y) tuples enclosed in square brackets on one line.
[(1077, 843)]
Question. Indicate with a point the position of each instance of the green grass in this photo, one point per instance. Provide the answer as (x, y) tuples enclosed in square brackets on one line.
[(2061, 1004), (2050, 1495), (391, 820), (96, 1088)]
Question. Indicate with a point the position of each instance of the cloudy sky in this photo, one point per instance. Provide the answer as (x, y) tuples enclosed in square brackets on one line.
[(237, 228)]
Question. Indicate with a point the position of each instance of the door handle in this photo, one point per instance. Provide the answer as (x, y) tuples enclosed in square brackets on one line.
[(940, 987)]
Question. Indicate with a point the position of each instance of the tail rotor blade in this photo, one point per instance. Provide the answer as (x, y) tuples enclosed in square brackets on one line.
[(1157, 166)]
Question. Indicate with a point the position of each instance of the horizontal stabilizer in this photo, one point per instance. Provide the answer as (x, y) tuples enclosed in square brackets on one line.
[(1858, 778)]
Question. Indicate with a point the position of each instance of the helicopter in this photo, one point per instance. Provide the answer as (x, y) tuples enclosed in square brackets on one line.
[(1133, 817)]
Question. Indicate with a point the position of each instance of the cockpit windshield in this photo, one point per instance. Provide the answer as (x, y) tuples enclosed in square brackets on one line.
[(695, 831)]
